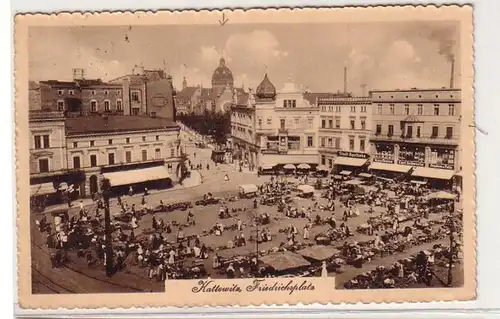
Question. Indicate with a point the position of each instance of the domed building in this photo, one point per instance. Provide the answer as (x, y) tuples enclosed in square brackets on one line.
[(265, 90), (222, 78)]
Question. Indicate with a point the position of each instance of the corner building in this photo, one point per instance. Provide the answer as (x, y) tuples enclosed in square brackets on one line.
[(417, 132)]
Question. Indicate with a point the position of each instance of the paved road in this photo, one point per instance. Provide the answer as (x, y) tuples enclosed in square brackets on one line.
[(78, 277)]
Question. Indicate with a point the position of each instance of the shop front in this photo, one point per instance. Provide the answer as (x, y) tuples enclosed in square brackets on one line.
[(350, 163), (150, 176), (439, 168)]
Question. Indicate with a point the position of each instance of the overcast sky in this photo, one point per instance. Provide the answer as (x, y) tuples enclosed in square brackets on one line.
[(381, 55)]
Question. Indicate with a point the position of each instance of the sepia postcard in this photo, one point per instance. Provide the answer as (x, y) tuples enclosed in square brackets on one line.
[(234, 158)]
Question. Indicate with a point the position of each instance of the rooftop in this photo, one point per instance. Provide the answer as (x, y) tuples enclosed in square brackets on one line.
[(115, 123)]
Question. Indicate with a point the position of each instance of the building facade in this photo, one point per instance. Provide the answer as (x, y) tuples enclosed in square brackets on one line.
[(142, 92), (48, 164), (218, 98), (80, 151), (344, 129), (418, 131)]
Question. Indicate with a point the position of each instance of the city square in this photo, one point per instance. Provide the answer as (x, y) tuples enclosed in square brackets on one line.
[(150, 175)]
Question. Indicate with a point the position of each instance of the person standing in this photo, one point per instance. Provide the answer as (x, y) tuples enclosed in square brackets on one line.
[(306, 232)]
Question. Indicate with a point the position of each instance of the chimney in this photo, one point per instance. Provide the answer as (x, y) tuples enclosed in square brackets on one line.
[(345, 79), (452, 75)]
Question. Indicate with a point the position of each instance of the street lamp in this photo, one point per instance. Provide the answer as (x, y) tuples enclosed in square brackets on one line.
[(106, 186)]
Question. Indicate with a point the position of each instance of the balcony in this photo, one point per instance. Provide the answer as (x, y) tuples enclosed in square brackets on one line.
[(413, 139)]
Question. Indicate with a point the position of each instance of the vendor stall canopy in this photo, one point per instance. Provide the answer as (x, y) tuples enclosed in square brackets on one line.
[(442, 195), (304, 166), (248, 188), (306, 189), (322, 168), (319, 252), (346, 173), (284, 261), (353, 182), (267, 166), (289, 166)]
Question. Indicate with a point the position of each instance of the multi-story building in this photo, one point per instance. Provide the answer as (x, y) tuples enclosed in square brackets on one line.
[(344, 130), (277, 128), (48, 164), (129, 150), (143, 92), (416, 131), (80, 151)]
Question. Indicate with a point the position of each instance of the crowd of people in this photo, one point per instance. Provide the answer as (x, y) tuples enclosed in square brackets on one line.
[(399, 216)]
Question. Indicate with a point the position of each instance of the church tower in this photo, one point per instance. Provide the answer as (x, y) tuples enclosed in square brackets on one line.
[(184, 83)]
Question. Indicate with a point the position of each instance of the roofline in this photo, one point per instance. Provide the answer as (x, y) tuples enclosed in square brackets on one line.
[(416, 90), (171, 128)]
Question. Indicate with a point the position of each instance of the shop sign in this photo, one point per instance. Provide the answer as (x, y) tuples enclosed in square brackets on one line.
[(443, 166), (383, 160), (270, 151), (411, 163), (352, 154)]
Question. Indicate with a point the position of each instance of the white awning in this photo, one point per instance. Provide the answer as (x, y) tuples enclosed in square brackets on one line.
[(436, 173), (390, 167), (346, 173), (136, 176), (322, 168), (350, 161), (289, 166), (304, 166), (365, 175), (267, 166), (306, 189), (42, 189), (248, 188), (353, 182), (418, 182)]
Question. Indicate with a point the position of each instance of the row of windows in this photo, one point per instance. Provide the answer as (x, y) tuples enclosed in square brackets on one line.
[(407, 131), (334, 142), (338, 108), (72, 92), (419, 110), (44, 167), (290, 103), (110, 141), (352, 123), (61, 106), (296, 121)]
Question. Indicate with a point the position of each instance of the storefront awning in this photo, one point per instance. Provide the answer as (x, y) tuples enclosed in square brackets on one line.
[(137, 176), (390, 167), (350, 161), (436, 173), (42, 189)]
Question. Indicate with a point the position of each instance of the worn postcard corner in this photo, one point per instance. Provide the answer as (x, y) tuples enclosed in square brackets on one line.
[(235, 158)]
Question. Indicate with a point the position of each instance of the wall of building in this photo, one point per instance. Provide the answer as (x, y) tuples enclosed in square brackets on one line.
[(336, 132), (55, 152), (160, 98), (422, 110), (82, 146)]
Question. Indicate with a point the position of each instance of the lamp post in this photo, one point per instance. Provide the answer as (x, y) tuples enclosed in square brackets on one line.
[(107, 227)]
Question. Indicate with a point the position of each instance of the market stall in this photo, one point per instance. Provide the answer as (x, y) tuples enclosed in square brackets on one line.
[(284, 261), (248, 190), (305, 190)]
